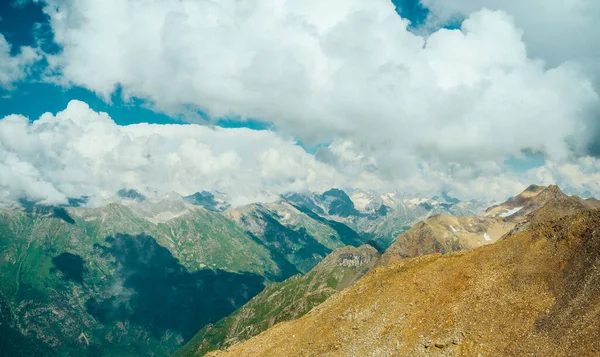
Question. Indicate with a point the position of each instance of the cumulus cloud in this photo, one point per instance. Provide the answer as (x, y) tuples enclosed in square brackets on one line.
[(401, 110), (79, 152), (336, 70), (555, 30), (15, 68)]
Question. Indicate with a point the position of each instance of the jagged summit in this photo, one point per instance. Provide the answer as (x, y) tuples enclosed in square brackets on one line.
[(552, 192), (338, 203)]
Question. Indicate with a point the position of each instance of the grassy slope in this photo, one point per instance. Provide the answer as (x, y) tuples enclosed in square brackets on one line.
[(46, 307)]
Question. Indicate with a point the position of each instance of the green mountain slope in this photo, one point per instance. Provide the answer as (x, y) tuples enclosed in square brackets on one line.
[(285, 301), (119, 281), (289, 233), (142, 275)]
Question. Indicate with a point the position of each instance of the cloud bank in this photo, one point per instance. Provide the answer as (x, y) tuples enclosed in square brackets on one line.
[(342, 70), (79, 152), (395, 109)]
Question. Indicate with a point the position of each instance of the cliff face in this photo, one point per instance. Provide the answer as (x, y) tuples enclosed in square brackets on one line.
[(536, 292)]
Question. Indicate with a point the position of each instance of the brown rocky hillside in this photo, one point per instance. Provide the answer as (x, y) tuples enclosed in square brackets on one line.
[(534, 293), (445, 234)]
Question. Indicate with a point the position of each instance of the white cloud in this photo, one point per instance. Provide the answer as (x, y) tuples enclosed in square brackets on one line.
[(335, 70), (558, 32), (80, 152), (15, 68), (402, 111), (555, 30)]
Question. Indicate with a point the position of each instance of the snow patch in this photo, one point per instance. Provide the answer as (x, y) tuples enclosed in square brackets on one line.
[(390, 199), (285, 215), (453, 229), (415, 201), (511, 212), (487, 237), (361, 200)]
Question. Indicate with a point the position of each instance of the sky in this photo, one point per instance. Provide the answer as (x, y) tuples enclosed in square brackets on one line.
[(478, 98)]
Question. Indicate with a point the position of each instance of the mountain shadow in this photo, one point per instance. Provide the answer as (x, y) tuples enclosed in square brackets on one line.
[(298, 246), (347, 234), (32, 208), (162, 294), (286, 269)]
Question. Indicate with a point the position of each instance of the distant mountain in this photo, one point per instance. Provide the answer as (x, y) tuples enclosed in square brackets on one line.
[(380, 218), (290, 234), (86, 281), (534, 292), (338, 203), (208, 200), (285, 301)]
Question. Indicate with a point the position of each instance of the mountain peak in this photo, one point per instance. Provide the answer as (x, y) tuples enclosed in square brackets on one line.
[(335, 192), (535, 188), (207, 200), (554, 189), (339, 203), (550, 193)]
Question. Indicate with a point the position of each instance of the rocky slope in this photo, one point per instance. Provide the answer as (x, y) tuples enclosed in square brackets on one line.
[(285, 301), (535, 292), (445, 234)]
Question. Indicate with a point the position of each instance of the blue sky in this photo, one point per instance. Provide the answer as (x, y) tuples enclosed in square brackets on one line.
[(26, 25)]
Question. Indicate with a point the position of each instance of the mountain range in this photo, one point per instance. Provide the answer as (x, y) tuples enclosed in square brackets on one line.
[(520, 279), (141, 274)]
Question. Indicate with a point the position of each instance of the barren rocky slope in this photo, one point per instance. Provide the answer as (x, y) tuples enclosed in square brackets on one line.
[(445, 234), (535, 292)]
